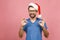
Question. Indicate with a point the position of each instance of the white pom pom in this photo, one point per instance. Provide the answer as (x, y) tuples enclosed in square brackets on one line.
[(40, 16)]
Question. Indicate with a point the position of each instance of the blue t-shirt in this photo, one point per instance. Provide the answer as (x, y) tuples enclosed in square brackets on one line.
[(33, 30)]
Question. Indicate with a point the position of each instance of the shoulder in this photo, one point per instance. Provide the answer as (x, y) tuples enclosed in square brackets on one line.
[(39, 19), (28, 19)]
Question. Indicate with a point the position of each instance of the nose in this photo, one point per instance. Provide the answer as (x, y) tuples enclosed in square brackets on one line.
[(32, 12)]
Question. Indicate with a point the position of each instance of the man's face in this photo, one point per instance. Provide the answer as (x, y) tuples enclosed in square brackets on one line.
[(32, 12)]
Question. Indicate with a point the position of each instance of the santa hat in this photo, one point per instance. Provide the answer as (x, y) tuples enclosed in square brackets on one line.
[(37, 7)]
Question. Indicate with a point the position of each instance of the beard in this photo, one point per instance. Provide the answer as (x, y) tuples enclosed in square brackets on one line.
[(32, 15)]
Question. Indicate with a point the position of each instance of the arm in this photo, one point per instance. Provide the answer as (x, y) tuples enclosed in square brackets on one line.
[(45, 31), (21, 31)]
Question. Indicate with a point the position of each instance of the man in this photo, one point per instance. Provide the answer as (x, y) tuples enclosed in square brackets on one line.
[(33, 26)]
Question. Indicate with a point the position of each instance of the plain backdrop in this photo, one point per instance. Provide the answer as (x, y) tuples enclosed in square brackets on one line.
[(12, 11)]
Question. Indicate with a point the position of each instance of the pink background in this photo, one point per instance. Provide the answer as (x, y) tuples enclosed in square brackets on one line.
[(11, 12)]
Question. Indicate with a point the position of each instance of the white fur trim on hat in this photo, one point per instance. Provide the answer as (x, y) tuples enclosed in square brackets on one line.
[(34, 5)]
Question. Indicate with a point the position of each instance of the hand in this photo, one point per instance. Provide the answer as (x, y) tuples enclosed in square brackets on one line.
[(23, 22), (42, 23)]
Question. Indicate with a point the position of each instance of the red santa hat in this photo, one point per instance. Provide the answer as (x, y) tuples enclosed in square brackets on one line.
[(37, 7)]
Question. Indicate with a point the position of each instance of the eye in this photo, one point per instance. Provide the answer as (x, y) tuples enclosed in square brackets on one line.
[(32, 11)]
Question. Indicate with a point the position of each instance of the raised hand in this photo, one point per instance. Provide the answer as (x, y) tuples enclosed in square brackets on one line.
[(23, 22), (41, 23)]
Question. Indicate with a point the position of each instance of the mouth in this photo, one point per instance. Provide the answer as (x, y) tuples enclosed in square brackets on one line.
[(32, 14)]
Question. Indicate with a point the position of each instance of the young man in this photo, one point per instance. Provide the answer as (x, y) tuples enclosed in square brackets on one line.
[(33, 26)]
